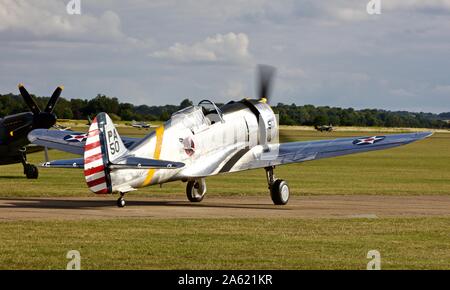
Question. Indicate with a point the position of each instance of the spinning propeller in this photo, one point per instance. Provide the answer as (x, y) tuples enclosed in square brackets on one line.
[(265, 80), (266, 75)]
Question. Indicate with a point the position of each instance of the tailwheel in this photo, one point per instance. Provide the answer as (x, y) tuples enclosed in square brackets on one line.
[(279, 189), (121, 201), (31, 171), (196, 190)]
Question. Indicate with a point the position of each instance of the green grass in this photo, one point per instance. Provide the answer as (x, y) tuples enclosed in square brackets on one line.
[(416, 169), (404, 243)]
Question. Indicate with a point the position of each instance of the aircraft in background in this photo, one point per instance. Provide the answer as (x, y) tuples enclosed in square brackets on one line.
[(61, 127), (324, 128), (140, 125), (15, 128), (198, 142)]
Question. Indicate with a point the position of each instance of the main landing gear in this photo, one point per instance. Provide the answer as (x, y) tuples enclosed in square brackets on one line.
[(30, 170), (196, 190), (279, 189)]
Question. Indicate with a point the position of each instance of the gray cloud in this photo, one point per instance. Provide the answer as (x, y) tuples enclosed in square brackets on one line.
[(46, 20), (229, 47), (161, 51)]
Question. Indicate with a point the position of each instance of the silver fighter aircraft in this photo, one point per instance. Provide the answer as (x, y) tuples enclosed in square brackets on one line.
[(197, 142)]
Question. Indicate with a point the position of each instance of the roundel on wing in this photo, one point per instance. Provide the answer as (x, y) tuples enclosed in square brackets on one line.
[(189, 146), (368, 140), (76, 137)]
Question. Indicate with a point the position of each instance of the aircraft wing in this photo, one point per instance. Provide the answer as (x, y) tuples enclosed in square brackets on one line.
[(67, 141), (294, 152)]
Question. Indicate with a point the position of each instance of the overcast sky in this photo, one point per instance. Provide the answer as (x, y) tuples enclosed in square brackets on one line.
[(161, 51)]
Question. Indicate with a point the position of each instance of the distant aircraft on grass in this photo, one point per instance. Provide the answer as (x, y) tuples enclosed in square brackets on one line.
[(140, 125), (324, 128)]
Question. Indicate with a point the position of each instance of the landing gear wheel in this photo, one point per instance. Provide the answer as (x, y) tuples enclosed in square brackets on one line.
[(31, 171), (279, 192), (121, 202), (196, 190)]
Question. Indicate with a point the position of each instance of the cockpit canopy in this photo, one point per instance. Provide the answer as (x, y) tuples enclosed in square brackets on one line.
[(204, 114)]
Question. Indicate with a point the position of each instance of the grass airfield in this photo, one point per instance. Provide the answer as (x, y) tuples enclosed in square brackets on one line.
[(421, 168)]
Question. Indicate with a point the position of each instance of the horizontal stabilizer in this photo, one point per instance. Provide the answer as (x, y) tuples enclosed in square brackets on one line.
[(126, 163), (145, 163), (68, 163)]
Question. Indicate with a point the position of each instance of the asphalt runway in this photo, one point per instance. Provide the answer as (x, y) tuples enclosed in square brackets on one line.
[(224, 207)]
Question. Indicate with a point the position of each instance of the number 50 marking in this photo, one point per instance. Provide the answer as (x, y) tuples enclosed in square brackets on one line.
[(113, 141)]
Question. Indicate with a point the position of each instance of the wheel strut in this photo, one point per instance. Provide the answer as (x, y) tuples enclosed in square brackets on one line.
[(270, 176)]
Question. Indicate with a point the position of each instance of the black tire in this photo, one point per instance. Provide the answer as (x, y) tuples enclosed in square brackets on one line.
[(31, 171), (192, 191), (121, 202), (279, 192)]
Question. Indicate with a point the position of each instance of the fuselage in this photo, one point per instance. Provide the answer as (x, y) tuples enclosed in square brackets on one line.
[(200, 139), (13, 136), (14, 130)]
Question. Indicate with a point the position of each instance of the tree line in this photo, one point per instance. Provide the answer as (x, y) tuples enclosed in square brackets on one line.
[(311, 115), (289, 114)]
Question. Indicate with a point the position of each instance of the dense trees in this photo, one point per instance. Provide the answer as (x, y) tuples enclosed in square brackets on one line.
[(289, 114), (311, 115)]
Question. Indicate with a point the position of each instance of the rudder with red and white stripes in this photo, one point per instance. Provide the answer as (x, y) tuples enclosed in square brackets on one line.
[(96, 159)]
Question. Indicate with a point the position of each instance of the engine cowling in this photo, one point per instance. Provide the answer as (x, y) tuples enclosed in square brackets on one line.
[(267, 124)]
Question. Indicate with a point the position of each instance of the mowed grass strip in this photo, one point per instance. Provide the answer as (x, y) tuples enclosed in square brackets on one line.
[(421, 168), (404, 243)]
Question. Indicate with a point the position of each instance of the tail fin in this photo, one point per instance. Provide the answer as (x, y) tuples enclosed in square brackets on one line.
[(105, 152), (103, 146)]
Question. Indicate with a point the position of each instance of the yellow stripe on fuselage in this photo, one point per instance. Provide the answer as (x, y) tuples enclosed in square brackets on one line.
[(159, 138)]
